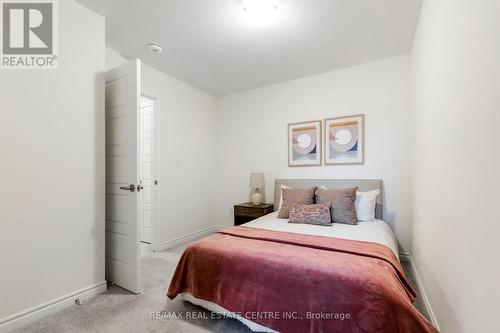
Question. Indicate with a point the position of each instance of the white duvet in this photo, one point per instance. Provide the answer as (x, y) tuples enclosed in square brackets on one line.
[(376, 231)]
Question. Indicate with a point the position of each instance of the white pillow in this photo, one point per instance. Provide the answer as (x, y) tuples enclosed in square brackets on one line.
[(281, 195), (365, 205)]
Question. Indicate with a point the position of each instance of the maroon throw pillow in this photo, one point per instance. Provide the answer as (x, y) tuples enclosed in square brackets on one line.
[(318, 214)]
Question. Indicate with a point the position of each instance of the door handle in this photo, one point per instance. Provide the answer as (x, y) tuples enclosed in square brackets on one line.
[(139, 187), (130, 188)]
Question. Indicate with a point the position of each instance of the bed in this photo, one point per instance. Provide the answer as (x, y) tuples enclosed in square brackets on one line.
[(275, 276)]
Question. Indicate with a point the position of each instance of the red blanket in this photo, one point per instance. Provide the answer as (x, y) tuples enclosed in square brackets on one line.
[(300, 283)]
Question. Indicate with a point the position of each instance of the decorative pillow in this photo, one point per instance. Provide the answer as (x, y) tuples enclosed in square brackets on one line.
[(343, 207), (281, 195), (365, 205), (294, 196), (318, 214)]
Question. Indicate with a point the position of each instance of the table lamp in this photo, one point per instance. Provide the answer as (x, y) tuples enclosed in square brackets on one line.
[(257, 183)]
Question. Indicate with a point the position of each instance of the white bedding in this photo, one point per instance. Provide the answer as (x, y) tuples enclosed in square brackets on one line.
[(376, 231)]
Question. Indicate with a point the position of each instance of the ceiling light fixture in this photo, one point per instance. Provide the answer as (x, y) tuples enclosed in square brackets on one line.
[(260, 12)]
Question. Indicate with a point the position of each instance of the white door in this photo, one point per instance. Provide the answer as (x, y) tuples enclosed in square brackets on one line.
[(122, 176), (146, 169)]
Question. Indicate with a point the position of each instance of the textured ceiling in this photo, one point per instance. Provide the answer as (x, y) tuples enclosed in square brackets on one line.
[(210, 45)]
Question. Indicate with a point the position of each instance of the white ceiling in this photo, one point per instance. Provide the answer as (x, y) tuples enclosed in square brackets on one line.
[(209, 44)]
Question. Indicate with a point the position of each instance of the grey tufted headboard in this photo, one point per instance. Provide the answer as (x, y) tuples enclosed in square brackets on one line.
[(362, 184)]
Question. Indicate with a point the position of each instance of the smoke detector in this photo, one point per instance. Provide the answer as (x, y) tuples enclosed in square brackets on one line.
[(154, 47)]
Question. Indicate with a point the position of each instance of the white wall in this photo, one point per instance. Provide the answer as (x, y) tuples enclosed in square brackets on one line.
[(115, 58), (52, 170), (456, 229), (185, 150), (252, 134)]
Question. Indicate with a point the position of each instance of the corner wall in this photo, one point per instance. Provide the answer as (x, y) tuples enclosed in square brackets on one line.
[(52, 170), (252, 134), (456, 229)]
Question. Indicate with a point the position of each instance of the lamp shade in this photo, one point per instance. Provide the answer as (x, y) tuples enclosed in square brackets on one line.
[(257, 180)]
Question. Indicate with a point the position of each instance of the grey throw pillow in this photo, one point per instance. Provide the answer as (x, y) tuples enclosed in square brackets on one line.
[(294, 196), (342, 200)]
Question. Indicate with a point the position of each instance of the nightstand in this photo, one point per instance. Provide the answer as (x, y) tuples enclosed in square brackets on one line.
[(246, 212)]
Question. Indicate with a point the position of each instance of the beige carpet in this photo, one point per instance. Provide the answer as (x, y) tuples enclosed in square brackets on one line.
[(119, 311)]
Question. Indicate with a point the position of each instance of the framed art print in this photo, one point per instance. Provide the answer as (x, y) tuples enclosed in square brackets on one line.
[(344, 140), (304, 143)]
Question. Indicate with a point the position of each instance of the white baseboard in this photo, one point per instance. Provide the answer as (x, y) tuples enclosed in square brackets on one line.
[(187, 238), (423, 294), (222, 227), (38, 311), (404, 254)]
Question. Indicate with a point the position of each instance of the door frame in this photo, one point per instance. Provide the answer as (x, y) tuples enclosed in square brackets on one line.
[(154, 171)]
